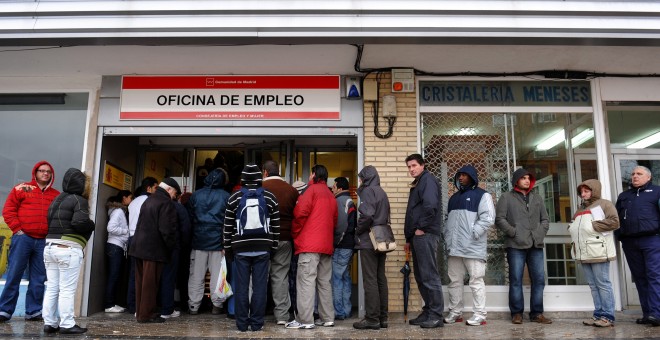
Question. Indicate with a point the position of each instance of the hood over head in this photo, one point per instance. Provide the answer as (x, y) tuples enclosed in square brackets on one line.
[(595, 187), (518, 174), (470, 171), (369, 176), (74, 182), (217, 178), (52, 175)]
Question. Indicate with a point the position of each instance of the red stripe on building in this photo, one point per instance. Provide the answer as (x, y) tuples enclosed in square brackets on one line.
[(228, 115), (229, 82)]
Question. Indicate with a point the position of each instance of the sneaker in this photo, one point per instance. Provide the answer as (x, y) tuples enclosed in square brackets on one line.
[(541, 319), (590, 322), (281, 322), (602, 322), (453, 317), (418, 320), (297, 325), (174, 314), (476, 320), (318, 322), (115, 309)]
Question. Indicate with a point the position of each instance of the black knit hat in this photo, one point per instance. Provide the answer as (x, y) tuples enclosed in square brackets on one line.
[(172, 183), (251, 174)]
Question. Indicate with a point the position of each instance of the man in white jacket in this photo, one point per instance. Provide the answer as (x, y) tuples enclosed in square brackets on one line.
[(471, 213)]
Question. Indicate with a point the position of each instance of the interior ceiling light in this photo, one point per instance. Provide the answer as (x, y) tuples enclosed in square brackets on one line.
[(582, 137), (466, 131), (552, 141), (645, 142)]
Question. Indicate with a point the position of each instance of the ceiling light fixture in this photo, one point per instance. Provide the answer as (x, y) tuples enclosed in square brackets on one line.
[(645, 142), (552, 141), (582, 137)]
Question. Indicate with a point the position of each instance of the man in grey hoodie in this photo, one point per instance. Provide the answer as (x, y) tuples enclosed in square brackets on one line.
[(521, 215)]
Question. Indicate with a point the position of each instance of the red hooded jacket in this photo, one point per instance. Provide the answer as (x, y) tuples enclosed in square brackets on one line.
[(315, 220), (26, 208)]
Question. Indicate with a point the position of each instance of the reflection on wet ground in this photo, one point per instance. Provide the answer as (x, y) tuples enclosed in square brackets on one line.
[(566, 325)]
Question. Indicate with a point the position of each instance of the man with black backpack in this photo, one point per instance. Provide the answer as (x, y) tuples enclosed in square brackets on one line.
[(251, 235)]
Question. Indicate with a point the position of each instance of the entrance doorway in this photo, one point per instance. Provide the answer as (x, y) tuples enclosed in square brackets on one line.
[(183, 158)]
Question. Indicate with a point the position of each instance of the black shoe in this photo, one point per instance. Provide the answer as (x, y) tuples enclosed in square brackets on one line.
[(418, 320), (73, 330), (383, 323), (3, 318), (432, 323), (231, 316), (48, 329), (653, 321), (157, 319), (642, 321), (35, 318), (364, 324)]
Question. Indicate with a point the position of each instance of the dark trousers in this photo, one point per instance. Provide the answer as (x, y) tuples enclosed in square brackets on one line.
[(374, 282), (147, 281), (130, 295), (115, 261), (167, 284), (643, 256), (251, 311), (425, 257), (182, 277)]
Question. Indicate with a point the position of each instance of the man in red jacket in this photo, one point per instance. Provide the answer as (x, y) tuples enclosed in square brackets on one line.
[(25, 213), (315, 217)]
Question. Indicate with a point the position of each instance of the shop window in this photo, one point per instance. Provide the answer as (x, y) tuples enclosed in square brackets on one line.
[(40, 127), (496, 144), (561, 269)]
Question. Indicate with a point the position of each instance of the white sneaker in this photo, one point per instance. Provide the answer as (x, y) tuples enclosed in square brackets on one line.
[(174, 314), (453, 317), (115, 309), (318, 322), (476, 320), (281, 323), (297, 325)]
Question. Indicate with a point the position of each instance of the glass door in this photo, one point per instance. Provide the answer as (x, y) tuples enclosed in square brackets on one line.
[(624, 164), (280, 152)]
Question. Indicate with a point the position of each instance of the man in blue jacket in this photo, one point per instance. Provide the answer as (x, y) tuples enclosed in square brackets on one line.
[(207, 207), (422, 229), (639, 215), (470, 214)]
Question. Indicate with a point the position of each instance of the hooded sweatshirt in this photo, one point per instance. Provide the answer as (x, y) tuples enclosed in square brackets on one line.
[(374, 207), (521, 215), (117, 225), (593, 240), (470, 213), (26, 207)]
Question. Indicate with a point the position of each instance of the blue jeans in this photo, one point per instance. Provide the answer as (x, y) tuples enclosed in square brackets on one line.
[(63, 268), (115, 260), (598, 277), (341, 282), (168, 283), (250, 311), (517, 259), (25, 252), (643, 256), (425, 253)]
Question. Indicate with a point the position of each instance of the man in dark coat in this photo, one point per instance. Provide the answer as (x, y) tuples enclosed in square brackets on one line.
[(152, 244), (422, 229)]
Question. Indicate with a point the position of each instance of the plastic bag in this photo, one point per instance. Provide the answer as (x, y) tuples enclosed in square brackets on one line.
[(222, 288)]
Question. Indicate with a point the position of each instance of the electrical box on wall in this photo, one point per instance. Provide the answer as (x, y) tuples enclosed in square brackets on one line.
[(370, 90), (389, 106), (403, 80)]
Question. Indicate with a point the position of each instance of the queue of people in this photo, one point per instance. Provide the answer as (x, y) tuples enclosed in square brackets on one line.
[(268, 229)]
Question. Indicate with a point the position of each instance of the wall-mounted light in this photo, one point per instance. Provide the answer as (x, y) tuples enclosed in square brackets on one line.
[(551, 141), (645, 142), (582, 137)]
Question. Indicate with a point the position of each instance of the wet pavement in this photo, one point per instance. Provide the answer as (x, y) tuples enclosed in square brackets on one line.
[(566, 325)]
